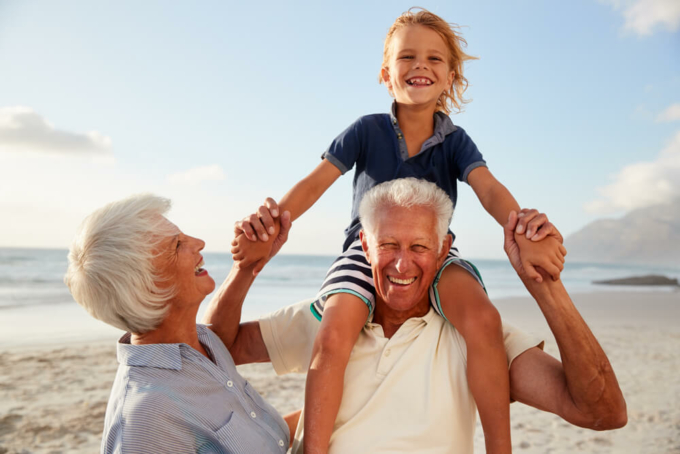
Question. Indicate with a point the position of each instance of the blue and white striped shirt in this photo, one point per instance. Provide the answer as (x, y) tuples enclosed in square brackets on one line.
[(168, 398)]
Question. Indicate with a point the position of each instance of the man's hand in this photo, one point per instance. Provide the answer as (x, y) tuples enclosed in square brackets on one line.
[(535, 226), (246, 249)]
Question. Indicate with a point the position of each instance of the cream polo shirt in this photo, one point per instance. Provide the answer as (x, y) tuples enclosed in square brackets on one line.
[(404, 394)]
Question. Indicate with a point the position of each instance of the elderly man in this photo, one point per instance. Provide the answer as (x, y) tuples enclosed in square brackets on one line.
[(405, 385)]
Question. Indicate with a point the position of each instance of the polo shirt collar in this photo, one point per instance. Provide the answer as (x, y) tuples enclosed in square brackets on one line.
[(425, 319), (443, 126)]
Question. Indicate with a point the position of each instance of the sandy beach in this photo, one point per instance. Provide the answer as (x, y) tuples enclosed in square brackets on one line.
[(53, 397)]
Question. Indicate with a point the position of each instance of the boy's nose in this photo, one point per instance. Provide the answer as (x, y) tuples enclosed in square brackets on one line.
[(420, 64)]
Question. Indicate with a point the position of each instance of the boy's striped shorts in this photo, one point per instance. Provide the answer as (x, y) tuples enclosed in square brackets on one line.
[(351, 273)]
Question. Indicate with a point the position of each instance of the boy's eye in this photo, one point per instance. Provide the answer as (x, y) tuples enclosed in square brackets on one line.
[(406, 57)]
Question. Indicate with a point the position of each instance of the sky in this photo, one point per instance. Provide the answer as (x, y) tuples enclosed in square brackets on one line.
[(218, 105)]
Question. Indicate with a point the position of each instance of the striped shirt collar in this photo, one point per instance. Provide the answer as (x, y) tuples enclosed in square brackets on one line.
[(161, 356)]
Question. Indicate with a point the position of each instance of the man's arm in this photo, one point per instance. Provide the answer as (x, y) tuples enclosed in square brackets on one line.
[(224, 311), (583, 388)]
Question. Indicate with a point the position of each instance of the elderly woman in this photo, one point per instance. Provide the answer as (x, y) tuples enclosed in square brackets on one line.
[(177, 388)]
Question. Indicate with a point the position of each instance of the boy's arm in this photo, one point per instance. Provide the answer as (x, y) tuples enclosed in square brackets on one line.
[(498, 202), (494, 197), (263, 225), (297, 200)]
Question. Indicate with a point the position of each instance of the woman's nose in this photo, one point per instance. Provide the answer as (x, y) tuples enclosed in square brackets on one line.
[(198, 243)]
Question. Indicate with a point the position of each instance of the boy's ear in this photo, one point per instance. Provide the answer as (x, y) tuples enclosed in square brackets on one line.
[(385, 73), (449, 80), (364, 245)]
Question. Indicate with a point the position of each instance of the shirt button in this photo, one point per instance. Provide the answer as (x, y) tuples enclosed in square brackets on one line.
[(387, 352), (281, 443), (253, 415), (230, 383)]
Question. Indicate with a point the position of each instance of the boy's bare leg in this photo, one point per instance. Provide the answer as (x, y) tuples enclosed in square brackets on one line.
[(344, 316), (467, 307)]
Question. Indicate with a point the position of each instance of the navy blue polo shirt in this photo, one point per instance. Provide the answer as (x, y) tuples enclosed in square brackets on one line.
[(376, 146)]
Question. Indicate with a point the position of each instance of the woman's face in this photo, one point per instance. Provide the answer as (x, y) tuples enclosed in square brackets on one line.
[(180, 263)]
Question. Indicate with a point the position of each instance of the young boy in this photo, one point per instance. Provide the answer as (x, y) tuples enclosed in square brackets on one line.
[(423, 70)]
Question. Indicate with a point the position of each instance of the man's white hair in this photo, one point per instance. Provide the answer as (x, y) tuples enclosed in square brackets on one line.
[(111, 272), (406, 193)]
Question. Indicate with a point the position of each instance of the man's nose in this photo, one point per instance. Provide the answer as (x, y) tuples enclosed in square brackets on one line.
[(402, 262)]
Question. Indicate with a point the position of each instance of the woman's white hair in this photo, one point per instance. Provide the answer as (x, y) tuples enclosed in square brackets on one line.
[(406, 193), (111, 272)]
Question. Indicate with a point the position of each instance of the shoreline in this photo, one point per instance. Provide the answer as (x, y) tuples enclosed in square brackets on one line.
[(53, 396)]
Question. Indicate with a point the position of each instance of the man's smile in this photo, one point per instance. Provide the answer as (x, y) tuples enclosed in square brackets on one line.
[(395, 280)]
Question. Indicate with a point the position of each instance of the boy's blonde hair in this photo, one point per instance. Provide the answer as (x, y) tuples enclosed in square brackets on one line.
[(452, 98)]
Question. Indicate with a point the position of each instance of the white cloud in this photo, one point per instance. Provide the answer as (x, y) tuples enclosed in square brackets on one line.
[(643, 16), (22, 129), (197, 175), (643, 183), (672, 113)]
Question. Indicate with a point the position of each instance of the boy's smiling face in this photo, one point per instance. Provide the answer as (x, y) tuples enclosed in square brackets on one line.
[(418, 69)]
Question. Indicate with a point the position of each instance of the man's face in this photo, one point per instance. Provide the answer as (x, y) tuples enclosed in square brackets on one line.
[(404, 255)]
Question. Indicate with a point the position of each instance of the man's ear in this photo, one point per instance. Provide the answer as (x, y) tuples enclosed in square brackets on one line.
[(446, 246), (364, 245)]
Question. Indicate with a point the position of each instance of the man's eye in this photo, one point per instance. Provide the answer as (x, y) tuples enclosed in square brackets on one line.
[(419, 248), (178, 243)]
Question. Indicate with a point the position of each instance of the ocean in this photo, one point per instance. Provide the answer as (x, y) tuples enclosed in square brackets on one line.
[(36, 306)]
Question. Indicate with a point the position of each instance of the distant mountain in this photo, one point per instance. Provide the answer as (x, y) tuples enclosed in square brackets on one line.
[(646, 236)]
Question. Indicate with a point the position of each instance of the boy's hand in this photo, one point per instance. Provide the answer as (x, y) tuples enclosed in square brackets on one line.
[(536, 226), (548, 254), (247, 251)]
